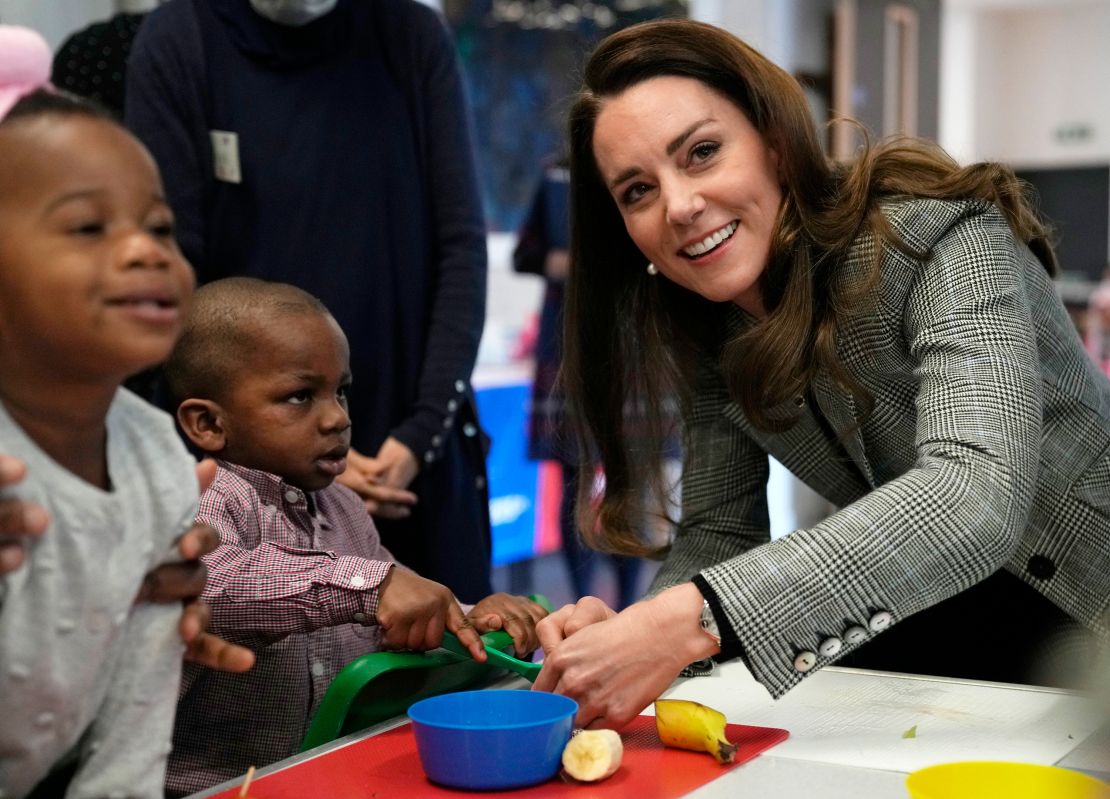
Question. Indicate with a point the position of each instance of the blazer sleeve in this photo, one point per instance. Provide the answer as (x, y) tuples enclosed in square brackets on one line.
[(459, 306), (951, 519)]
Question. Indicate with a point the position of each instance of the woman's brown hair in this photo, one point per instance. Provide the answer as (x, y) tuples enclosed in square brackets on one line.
[(631, 343)]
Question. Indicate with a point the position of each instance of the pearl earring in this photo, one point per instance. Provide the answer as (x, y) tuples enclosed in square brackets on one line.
[(651, 269)]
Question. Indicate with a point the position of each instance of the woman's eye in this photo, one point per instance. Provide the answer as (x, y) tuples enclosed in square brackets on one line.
[(633, 193), (703, 151), (163, 230), (342, 391), (300, 398)]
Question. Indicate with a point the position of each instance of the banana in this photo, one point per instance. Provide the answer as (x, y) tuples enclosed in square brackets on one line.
[(593, 755), (690, 725)]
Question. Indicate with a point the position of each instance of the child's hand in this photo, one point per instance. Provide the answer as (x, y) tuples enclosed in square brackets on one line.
[(381, 499), (18, 519), (516, 615), (184, 582), (413, 612)]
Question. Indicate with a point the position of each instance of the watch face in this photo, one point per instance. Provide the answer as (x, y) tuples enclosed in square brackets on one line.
[(709, 622)]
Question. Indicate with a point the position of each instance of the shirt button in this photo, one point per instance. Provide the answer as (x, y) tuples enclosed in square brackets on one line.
[(44, 719), (437, 440), (360, 617), (829, 647), (318, 669), (452, 406), (292, 495), (469, 430), (358, 581), (429, 456), (855, 634), (805, 661), (65, 626), (18, 671), (460, 386), (448, 423), (479, 482), (880, 621)]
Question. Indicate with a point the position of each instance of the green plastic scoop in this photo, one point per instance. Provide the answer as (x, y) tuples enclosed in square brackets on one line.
[(497, 658)]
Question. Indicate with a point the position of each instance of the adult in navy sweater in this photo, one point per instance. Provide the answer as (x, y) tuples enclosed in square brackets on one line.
[(326, 143)]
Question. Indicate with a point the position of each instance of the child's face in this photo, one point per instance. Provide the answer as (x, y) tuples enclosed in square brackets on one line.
[(287, 412), (92, 282)]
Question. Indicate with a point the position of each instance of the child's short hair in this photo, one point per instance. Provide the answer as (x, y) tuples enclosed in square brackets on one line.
[(218, 332), (43, 102)]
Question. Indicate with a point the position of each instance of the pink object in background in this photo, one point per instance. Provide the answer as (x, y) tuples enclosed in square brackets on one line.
[(1098, 325), (25, 60)]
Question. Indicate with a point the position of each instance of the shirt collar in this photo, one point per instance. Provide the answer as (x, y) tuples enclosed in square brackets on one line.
[(270, 487)]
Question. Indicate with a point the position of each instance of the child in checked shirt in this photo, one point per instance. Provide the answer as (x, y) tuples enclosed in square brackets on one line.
[(301, 577)]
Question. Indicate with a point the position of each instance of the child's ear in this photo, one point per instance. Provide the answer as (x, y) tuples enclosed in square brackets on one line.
[(202, 421)]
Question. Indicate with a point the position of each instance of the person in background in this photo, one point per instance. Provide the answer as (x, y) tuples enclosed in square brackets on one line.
[(92, 289), (1098, 324), (300, 575), (326, 143), (888, 329), (92, 62), (542, 250)]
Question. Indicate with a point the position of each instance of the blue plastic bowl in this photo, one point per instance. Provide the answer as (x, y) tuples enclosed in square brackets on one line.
[(494, 739)]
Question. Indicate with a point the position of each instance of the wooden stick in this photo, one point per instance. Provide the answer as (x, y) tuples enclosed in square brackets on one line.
[(246, 782)]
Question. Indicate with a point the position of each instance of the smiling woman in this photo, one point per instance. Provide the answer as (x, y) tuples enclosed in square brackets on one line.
[(696, 185), (887, 329)]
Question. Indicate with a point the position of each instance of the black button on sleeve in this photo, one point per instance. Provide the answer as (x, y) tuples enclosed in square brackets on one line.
[(1041, 567)]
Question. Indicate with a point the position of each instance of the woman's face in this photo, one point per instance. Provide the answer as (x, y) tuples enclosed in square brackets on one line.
[(696, 184)]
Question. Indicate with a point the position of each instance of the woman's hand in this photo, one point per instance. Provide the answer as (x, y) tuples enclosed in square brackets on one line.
[(617, 666), (364, 476), (516, 615), (413, 613), (569, 619)]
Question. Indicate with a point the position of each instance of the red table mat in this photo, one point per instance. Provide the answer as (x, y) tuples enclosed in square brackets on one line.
[(387, 765)]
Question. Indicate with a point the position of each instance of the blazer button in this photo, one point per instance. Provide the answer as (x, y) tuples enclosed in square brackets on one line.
[(880, 621), (800, 401), (805, 661), (830, 647), (855, 634), (1041, 567)]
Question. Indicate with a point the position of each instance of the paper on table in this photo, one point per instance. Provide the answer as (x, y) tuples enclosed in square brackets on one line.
[(858, 718)]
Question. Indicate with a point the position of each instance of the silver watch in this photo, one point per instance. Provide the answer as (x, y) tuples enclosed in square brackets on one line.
[(709, 623)]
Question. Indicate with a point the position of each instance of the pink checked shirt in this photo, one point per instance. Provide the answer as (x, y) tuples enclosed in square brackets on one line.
[(295, 578)]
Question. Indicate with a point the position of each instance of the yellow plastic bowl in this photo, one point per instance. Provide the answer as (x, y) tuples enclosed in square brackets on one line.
[(989, 780)]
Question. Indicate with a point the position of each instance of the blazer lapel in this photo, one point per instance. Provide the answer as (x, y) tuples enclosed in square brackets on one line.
[(840, 410)]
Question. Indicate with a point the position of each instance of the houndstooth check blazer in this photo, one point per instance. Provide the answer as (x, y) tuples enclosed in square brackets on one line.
[(988, 446)]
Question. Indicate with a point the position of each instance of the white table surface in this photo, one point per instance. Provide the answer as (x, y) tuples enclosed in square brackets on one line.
[(846, 728)]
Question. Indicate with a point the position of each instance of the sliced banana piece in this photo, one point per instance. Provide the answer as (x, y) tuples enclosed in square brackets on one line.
[(593, 755)]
